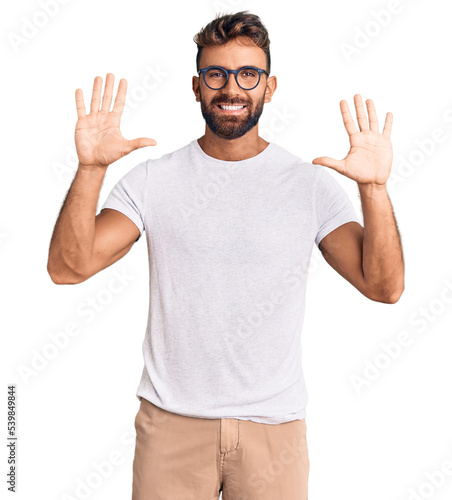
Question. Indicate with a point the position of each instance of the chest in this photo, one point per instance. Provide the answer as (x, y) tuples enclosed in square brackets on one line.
[(243, 220)]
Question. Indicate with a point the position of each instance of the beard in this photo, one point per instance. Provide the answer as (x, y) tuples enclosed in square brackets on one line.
[(231, 126)]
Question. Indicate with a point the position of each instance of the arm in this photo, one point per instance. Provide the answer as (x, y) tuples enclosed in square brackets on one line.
[(369, 257), (82, 243)]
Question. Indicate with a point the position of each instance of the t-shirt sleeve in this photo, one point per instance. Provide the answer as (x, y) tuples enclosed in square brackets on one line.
[(332, 204), (129, 196)]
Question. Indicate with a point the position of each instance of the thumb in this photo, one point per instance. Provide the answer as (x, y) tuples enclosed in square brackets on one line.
[(329, 162), (142, 142)]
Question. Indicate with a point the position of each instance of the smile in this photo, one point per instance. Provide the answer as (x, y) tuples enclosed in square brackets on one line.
[(230, 109)]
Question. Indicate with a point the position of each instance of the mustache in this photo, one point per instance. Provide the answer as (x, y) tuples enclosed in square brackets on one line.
[(228, 102)]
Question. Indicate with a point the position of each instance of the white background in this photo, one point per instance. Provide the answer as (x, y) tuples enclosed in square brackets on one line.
[(78, 408)]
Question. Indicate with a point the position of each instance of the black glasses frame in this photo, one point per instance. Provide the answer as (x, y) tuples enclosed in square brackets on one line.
[(235, 72)]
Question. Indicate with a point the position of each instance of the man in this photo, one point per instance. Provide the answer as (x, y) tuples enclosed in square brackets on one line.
[(230, 222)]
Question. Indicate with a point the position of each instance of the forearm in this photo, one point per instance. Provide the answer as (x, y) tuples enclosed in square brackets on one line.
[(382, 261), (71, 245)]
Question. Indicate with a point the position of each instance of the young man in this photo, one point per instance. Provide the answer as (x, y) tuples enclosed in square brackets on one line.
[(230, 222)]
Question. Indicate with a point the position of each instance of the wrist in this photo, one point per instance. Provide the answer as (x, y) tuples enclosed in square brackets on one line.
[(92, 168), (371, 187), (374, 192)]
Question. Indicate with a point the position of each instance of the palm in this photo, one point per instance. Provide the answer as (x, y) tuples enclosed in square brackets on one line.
[(98, 138), (370, 156)]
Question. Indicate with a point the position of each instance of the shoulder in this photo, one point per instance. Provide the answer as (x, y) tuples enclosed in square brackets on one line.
[(181, 152), (168, 160), (318, 180), (139, 173), (289, 160)]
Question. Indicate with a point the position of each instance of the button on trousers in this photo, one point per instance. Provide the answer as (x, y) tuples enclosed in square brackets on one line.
[(189, 458)]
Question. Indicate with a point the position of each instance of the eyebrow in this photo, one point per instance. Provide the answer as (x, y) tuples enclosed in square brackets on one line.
[(243, 66)]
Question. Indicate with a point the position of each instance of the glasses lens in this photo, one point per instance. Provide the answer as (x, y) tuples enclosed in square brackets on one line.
[(248, 78), (215, 78)]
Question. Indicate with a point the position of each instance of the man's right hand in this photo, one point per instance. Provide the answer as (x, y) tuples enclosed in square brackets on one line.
[(98, 138)]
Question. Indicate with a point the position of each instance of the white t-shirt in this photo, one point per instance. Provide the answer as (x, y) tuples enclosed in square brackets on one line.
[(229, 246)]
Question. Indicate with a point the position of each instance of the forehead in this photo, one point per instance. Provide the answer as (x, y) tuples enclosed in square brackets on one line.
[(234, 54)]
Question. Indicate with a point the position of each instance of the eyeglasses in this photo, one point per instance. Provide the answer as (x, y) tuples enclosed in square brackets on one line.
[(247, 78)]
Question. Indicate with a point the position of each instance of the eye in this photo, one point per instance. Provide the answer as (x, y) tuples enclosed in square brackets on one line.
[(249, 73), (216, 73)]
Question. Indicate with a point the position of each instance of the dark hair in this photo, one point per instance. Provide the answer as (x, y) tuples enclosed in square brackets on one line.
[(229, 26)]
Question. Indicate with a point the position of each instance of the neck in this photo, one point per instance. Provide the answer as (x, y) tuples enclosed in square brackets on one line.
[(242, 148)]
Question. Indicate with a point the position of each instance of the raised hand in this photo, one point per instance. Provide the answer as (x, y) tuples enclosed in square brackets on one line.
[(98, 138), (369, 159)]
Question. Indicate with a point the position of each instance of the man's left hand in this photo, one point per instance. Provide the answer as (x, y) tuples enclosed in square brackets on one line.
[(369, 159)]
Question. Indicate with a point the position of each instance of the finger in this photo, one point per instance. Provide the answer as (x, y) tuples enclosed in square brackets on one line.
[(120, 96), (95, 100), (360, 113), (388, 125), (142, 142), (81, 111), (108, 92), (337, 165), (373, 120), (350, 126)]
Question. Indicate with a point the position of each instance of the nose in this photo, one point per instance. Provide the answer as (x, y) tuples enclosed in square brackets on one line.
[(232, 84)]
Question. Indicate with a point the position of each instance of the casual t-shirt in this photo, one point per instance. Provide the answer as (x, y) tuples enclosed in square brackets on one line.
[(229, 246)]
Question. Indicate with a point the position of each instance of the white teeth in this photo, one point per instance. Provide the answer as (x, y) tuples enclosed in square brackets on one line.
[(231, 108)]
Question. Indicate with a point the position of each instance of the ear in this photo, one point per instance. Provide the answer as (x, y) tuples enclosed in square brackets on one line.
[(195, 86), (270, 88)]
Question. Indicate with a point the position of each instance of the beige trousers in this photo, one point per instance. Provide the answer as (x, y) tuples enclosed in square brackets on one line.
[(188, 458)]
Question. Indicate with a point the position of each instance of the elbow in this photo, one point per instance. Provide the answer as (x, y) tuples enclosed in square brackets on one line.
[(397, 290), (396, 296), (59, 279), (385, 294), (63, 280), (54, 277), (67, 277), (391, 297)]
